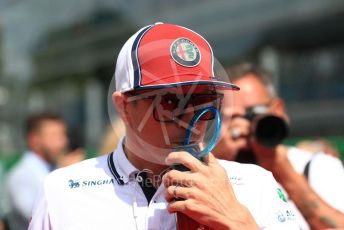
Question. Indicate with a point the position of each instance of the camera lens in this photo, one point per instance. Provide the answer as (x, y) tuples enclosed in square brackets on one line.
[(270, 130)]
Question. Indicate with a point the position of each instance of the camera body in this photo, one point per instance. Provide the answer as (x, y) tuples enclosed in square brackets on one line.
[(269, 130)]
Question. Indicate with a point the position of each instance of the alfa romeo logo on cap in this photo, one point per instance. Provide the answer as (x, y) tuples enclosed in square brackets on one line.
[(185, 52)]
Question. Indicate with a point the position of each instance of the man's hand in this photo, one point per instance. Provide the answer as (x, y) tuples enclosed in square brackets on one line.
[(205, 193), (270, 158), (234, 137)]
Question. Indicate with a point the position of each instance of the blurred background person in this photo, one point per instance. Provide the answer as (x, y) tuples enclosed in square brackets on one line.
[(258, 116), (47, 140)]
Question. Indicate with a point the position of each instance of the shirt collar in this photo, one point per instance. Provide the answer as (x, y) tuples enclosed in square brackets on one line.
[(120, 167)]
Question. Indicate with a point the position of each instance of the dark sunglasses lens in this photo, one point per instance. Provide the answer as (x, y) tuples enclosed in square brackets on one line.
[(172, 106), (202, 101), (169, 102), (166, 107)]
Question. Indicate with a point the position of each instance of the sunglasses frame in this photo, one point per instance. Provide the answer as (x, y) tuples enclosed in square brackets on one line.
[(189, 98)]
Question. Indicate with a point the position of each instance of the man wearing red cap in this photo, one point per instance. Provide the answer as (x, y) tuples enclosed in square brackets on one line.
[(164, 78)]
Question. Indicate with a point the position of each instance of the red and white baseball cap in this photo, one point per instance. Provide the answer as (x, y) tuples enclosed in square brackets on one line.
[(166, 55)]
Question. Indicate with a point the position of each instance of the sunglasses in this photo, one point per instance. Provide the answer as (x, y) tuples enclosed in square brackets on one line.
[(169, 107)]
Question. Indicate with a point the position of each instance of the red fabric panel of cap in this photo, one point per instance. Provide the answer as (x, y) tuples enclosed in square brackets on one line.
[(171, 54)]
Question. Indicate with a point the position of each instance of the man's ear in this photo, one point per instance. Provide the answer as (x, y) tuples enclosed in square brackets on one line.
[(278, 107), (119, 102)]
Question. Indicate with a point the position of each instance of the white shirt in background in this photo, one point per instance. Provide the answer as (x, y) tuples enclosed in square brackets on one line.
[(23, 183), (326, 177)]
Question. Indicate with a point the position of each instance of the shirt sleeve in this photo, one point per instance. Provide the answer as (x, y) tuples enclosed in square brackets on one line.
[(280, 214), (40, 214)]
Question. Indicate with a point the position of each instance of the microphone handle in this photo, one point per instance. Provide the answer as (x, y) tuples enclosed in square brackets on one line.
[(186, 223)]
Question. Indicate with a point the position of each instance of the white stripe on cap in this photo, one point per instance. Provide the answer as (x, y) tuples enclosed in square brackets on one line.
[(124, 73)]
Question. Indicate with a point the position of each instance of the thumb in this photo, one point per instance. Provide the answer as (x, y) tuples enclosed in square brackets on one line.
[(210, 159)]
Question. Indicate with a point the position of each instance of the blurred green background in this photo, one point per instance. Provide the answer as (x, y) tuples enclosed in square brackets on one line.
[(60, 56)]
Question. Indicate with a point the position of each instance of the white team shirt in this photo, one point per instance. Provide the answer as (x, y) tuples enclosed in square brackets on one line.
[(102, 193), (326, 177)]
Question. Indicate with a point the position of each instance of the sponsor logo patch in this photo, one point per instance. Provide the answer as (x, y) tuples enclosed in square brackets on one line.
[(281, 217), (281, 195), (285, 215), (185, 52), (88, 183), (236, 180)]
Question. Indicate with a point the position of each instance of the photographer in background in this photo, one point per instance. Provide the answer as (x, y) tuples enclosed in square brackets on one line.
[(258, 124)]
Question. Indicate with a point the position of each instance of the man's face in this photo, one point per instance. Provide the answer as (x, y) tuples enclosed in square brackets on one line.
[(51, 140), (158, 120), (252, 93)]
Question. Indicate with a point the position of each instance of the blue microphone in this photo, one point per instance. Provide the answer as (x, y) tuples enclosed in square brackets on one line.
[(194, 149)]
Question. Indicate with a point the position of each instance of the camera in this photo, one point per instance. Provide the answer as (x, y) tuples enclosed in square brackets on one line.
[(269, 130)]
